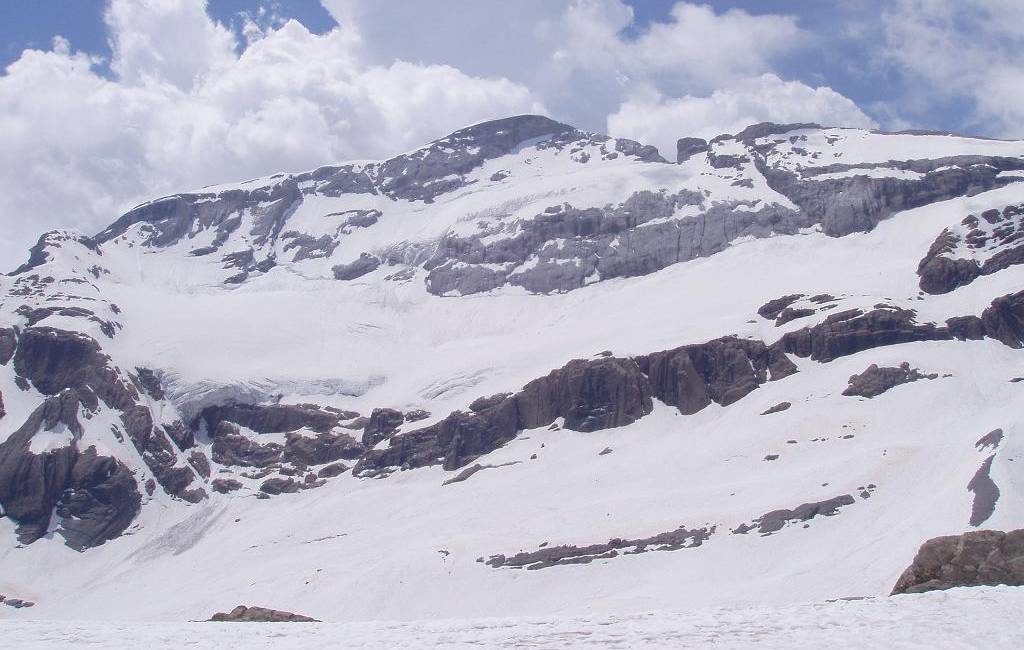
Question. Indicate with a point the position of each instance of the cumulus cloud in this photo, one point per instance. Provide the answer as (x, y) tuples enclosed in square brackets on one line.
[(662, 120), (696, 49), (965, 50), (184, 109), (186, 101)]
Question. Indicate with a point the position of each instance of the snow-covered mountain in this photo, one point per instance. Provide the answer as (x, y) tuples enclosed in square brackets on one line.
[(522, 370)]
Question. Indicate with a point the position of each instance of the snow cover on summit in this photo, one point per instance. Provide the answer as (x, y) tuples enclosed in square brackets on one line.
[(522, 370)]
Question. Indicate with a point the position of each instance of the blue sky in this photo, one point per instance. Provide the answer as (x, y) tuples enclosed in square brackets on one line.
[(105, 103)]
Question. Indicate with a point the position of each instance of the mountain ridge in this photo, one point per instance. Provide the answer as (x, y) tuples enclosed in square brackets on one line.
[(521, 300)]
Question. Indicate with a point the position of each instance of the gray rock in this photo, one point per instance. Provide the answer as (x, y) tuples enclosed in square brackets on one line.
[(983, 557), (874, 381), (280, 486), (244, 614), (687, 148), (225, 485), (362, 265), (549, 556)]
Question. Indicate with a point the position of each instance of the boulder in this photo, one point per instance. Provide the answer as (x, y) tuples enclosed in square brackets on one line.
[(244, 614), (982, 557)]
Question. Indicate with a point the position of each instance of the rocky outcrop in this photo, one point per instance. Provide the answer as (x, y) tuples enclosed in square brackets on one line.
[(382, 424), (231, 447), (156, 450), (244, 614), (95, 497), (687, 148), (53, 360), (8, 344), (778, 408), (998, 232), (280, 486), (858, 202), (874, 380), (225, 485), (983, 557), (567, 247), (852, 331), (323, 448), (774, 521), (771, 309), (563, 555), (362, 265), (272, 418), (589, 395), (720, 371)]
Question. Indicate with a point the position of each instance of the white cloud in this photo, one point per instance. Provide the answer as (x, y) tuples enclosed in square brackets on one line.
[(697, 49), (184, 109), (969, 50), (661, 121)]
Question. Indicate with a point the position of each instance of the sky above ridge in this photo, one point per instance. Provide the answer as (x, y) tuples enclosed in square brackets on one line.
[(106, 103)]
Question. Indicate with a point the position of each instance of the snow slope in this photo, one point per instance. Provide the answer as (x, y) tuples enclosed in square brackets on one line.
[(960, 618), (405, 546)]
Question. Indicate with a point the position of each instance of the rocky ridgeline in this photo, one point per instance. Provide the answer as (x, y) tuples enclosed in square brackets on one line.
[(567, 245)]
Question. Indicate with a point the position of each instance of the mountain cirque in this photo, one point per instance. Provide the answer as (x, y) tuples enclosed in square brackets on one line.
[(307, 372)]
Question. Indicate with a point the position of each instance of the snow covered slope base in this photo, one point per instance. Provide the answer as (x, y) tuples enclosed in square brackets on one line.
[(522, 371), (959, 618)]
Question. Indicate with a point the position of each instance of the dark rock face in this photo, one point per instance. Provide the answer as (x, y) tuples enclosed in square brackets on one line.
[(874, 381), (279, 486), (778, 408), (468, 472), (857, 203), (590, 395), (225, 485), (53, 360), (272, 418), (986, 493), (566, 246), (243, 614), (323, 448), (439, 167), (983, 557), (942, 272), (771, 309), (383, 424), (159, 455), (1004, 320), (362, 265), (484, 403), (849, 332), (774, 521), (564, 555), (332, 470), (687, 148), (8, 344), (720, 371), (231, 447), (790, 314), (96, 496)]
